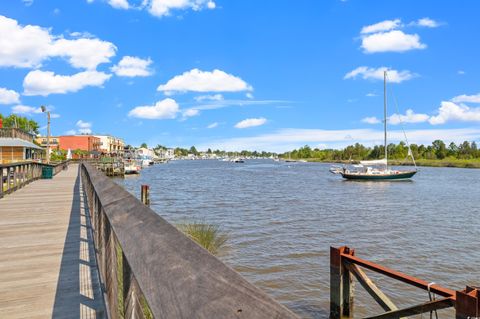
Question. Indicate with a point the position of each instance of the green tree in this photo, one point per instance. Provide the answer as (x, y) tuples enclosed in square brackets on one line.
[(193, 150), (143, 145), (15, 121), (440, 149)]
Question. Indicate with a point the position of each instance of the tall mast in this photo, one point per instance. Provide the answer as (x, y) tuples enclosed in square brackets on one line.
[(385, 110)]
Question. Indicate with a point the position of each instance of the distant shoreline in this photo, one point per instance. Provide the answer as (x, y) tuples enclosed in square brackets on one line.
[(475, 163)]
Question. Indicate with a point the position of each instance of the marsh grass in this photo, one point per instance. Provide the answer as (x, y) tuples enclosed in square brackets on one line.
[(209, 236)]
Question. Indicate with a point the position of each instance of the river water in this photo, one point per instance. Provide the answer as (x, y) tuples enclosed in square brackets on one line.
[(283, 217)]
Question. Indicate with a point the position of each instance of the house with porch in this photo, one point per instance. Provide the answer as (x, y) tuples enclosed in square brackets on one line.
[(17, 145)]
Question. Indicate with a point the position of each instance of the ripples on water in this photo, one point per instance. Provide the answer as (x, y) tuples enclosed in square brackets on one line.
[(283, 217)]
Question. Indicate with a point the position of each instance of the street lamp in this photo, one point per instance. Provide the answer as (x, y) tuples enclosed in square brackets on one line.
[(44, 109)]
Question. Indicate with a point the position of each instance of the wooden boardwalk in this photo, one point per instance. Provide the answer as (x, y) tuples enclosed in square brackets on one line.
[(47, 264)]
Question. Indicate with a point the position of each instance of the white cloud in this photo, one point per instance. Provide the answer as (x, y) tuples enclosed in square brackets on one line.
[(204, 81), (119, 4), (160, 8), (287, 139), (409, 117), (28, 46), (367, 73), (131, 66), (461, 72), (46, 82), (85, 52), (191, 112), (371, 120), (450, 111), (27, 3), (386, 25), (391, 41), (371, 95), (467, 98), (427, 22), (251, 122), (165, 109), (82, 128), (213, 125), (70, 132), (9, 96), (249, 95), (214, 97), (24, 109)]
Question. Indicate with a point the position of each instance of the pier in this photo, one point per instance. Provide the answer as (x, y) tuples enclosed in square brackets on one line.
[(146, 268)]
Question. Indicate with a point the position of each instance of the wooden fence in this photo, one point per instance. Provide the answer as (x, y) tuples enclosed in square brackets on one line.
[(16, 175), (149, 269)]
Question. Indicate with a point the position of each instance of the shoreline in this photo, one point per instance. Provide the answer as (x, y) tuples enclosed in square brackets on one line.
[(422, 162)]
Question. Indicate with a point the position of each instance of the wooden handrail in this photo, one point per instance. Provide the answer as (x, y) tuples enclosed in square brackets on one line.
[(149, 268), (14, 176)]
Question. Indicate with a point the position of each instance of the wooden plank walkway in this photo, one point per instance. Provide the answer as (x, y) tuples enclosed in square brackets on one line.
[(47, 264)]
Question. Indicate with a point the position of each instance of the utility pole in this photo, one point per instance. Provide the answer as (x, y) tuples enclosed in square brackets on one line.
[(44, 109)]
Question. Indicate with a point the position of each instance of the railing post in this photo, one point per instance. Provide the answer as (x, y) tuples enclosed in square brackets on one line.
[(467, 303), (341, 285), (1, 182), (145, 194)]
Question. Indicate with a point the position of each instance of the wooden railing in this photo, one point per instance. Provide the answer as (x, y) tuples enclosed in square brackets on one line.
[(16, 175), (149, 269), (16, 133)]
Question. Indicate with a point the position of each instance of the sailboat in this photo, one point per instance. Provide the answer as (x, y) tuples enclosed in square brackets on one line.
[(378, 169)]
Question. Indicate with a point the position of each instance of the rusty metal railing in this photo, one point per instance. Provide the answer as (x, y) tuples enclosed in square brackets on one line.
[(344, 266)]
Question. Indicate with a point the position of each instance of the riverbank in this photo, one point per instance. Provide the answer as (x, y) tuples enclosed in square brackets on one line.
[(448, 162)]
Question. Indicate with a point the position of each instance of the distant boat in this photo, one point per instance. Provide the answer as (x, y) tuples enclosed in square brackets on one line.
[(377, 169)]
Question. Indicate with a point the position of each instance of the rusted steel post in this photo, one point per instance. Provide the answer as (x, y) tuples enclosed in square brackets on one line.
[(145, 194), (467, 305), (341, 285)]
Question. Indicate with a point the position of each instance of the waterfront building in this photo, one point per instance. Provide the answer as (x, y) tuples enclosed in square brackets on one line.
[(111, 145), (168, 153), (88, 143), (54, 142), (17, 145)]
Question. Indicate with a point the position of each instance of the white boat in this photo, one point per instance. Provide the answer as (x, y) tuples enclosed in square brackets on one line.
[(377, 169), (132, 167)]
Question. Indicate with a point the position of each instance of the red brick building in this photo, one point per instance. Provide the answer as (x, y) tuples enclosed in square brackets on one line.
[(87, 143)]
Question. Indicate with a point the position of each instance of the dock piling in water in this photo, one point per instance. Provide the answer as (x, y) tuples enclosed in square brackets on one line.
[(145, 194)]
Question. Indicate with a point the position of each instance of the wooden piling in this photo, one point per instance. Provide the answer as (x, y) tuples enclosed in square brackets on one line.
[(145, 194), (341, 286)]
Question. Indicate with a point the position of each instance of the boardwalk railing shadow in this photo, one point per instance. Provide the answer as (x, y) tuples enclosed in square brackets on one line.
[(78, 293)]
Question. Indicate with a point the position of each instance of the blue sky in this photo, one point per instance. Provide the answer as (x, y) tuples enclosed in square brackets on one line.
[(265, 75)]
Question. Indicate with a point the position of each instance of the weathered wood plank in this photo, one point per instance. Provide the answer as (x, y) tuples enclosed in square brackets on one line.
[(46, 252), (371, 288)]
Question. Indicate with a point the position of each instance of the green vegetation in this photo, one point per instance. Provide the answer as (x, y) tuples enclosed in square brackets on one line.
[(206, 235), (15, 121), (143, 145), (184, 152), (465, 154), (58, 156)]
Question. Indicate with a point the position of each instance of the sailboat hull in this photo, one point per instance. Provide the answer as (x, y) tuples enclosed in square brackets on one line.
[(376, 177)]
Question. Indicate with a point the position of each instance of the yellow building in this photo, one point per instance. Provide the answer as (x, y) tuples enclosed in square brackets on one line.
[(54, 142), (17, 146)]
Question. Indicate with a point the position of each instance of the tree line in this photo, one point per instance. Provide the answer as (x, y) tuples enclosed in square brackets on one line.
[(437, 150)]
